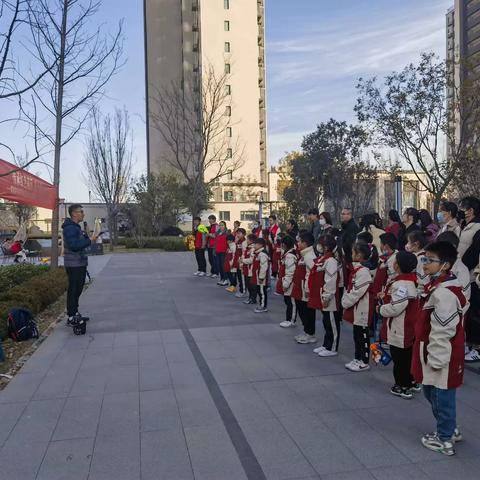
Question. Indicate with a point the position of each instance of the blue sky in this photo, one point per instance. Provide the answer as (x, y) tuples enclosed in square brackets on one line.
[(316, 51)]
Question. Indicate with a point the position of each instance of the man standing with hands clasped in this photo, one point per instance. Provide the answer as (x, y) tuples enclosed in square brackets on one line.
[(75, 242)]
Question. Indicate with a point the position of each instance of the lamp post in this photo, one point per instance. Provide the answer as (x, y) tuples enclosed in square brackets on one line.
[(398, 193)]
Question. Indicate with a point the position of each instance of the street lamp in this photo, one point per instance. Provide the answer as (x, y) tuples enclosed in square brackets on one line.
[(398, 193)]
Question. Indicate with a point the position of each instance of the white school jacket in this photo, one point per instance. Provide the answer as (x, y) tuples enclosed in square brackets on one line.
[(289, 260), (356, 299)]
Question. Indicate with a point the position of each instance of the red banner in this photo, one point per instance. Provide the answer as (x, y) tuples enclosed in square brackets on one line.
[(25, 188)]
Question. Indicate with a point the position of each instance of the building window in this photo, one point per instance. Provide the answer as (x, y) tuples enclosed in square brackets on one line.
[(228, 68), (226, 25), (229, 131), (227, 47), (248, 216), (228, 111), (226, 4), (225, 216), (229, 153), (228, 196), (228, 89)]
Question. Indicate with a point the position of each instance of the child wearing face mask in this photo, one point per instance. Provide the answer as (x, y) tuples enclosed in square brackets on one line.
[(438, 351), (416, 243), (288, 263)]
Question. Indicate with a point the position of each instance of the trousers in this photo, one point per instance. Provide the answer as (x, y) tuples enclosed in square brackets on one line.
[(307, 316), (361, 338), (201, 261), (76, 282), (291, 310), (331, 324), (402, 363), (444, 409)]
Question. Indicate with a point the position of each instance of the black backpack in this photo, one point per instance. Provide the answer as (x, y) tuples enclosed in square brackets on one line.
[(21, 325)]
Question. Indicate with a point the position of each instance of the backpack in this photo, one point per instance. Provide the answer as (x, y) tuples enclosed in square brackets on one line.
[(21, 325)]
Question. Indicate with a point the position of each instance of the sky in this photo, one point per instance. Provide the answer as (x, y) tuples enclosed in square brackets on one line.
[(316, 51)]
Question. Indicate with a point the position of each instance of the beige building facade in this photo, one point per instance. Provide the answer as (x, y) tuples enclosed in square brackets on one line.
[(183, 40)]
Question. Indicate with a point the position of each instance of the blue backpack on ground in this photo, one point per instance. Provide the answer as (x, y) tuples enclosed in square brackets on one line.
[(21, 325)]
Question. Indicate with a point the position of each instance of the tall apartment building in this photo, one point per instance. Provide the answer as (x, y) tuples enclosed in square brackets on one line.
[(182, 38)]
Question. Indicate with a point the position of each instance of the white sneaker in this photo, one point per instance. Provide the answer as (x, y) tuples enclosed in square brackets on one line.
[(288, 324), (261, 310), (305, 338), (202, 274), (349, 364), (240, 295), (213, 275), (472, 356), (277, 294), (319, 349), (327, 353), (359, 366), (196, 273)]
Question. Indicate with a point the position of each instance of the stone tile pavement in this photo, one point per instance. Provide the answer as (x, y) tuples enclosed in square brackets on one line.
[(177, 380)]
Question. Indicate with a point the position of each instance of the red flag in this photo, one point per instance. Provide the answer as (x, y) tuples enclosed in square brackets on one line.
[(25, 188)]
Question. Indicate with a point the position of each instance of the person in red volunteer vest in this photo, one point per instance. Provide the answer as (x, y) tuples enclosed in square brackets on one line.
[(221, 247), (199, 231), (438, 351), (357, 306), (400, 311), (288, 263), (324, 293), (212, 231), (241, 242)]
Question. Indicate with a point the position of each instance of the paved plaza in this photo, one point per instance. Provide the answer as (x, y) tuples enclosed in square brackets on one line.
[(178, 380)]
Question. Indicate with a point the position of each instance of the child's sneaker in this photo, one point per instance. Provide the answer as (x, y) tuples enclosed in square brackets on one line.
[(196, 273), (327, 353), (240, 295), (261, 310), (305, 338), (416, 387), (357, 366), (231, 289), (472, 356), (319, 349), (288, 324), (249, 302), (456, 437), (202, 274), (433, 442), (214, 275)]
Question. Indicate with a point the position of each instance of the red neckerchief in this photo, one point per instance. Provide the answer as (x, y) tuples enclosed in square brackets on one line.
[(384, 258), (321, 260), (352, 275), (429, 287)]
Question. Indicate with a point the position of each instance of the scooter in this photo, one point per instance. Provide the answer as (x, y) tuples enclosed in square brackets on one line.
[(79, 324)]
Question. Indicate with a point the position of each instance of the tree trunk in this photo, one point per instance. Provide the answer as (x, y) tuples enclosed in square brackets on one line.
[(436, 206), (58, 137)]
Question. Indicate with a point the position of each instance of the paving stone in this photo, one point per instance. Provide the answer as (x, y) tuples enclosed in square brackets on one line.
[(7, 422), (90, 381), (159, 410), (454, 467), (123, 379), (79, 418), (185, 375), (358, 475), (213, 349), (120, 415), (21, 388), (245, 402), (178, 352), (164, 455), (55, 385), (125, 355), (255, 369), (154, 377), (126, 339), (24, 470), (227, 370), (400, 472), (67, 459), (196, 407), (149, 338)]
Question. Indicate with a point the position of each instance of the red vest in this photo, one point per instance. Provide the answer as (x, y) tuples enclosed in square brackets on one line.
[(213, 229), (198, 240), (238, 255), (226, 264), (298, 279), (221, 244), (316, 282)]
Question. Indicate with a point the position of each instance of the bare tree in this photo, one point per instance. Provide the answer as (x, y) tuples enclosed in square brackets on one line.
[(84, 60), (108, 159), (194, 131)]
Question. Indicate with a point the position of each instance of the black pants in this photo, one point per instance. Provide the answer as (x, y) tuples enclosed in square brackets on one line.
[(76, 282), (402, 363), (240, 281), (251, 289), (232, 278), (201, 261), (307, 316), (262, 296), (291, 311), (361, 339), (212, 261), (472, 324), (220, 261), (331, 323)]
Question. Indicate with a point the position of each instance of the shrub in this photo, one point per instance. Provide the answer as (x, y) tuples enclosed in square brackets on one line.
[(169, 244), (35, 294), (172, 232), (13, 275)]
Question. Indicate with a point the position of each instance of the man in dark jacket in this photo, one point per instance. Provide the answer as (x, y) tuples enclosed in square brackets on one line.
[(349, 231), (316, 228), (75, 241)]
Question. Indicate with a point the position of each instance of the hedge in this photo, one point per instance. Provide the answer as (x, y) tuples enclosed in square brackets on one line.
[(13, 275), (169, 244), (35, 294)]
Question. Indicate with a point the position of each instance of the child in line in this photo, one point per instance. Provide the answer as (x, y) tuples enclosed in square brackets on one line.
[(300, 288), (229, 265), (260, 271), (247, 267), (277, 255), (221, 247), (400, 311), (288, 263), (416, 242), (357, 305), (241, 242), (438, 351), (324, 294), (200, 232)]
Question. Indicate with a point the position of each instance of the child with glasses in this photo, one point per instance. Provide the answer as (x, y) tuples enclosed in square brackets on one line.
[(438, 351)]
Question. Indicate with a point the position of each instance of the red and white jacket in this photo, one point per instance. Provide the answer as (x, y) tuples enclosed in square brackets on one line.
[(241, 245), (384, 274), (356, 298), (400, 310), (247, 260), (288, 263), (438, 351), (273, 231), (261, 263), (229, 264), (324, 284), (462, 273), (301, 274)]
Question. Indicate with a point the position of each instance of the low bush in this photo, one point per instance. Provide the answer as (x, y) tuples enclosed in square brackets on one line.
[(13, 275), (35, 294), (169, 244)]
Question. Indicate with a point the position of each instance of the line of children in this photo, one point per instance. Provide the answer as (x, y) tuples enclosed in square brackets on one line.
[(288, 263)]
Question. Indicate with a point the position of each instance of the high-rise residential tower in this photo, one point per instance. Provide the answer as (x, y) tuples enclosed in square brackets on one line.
[(182, 38)]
